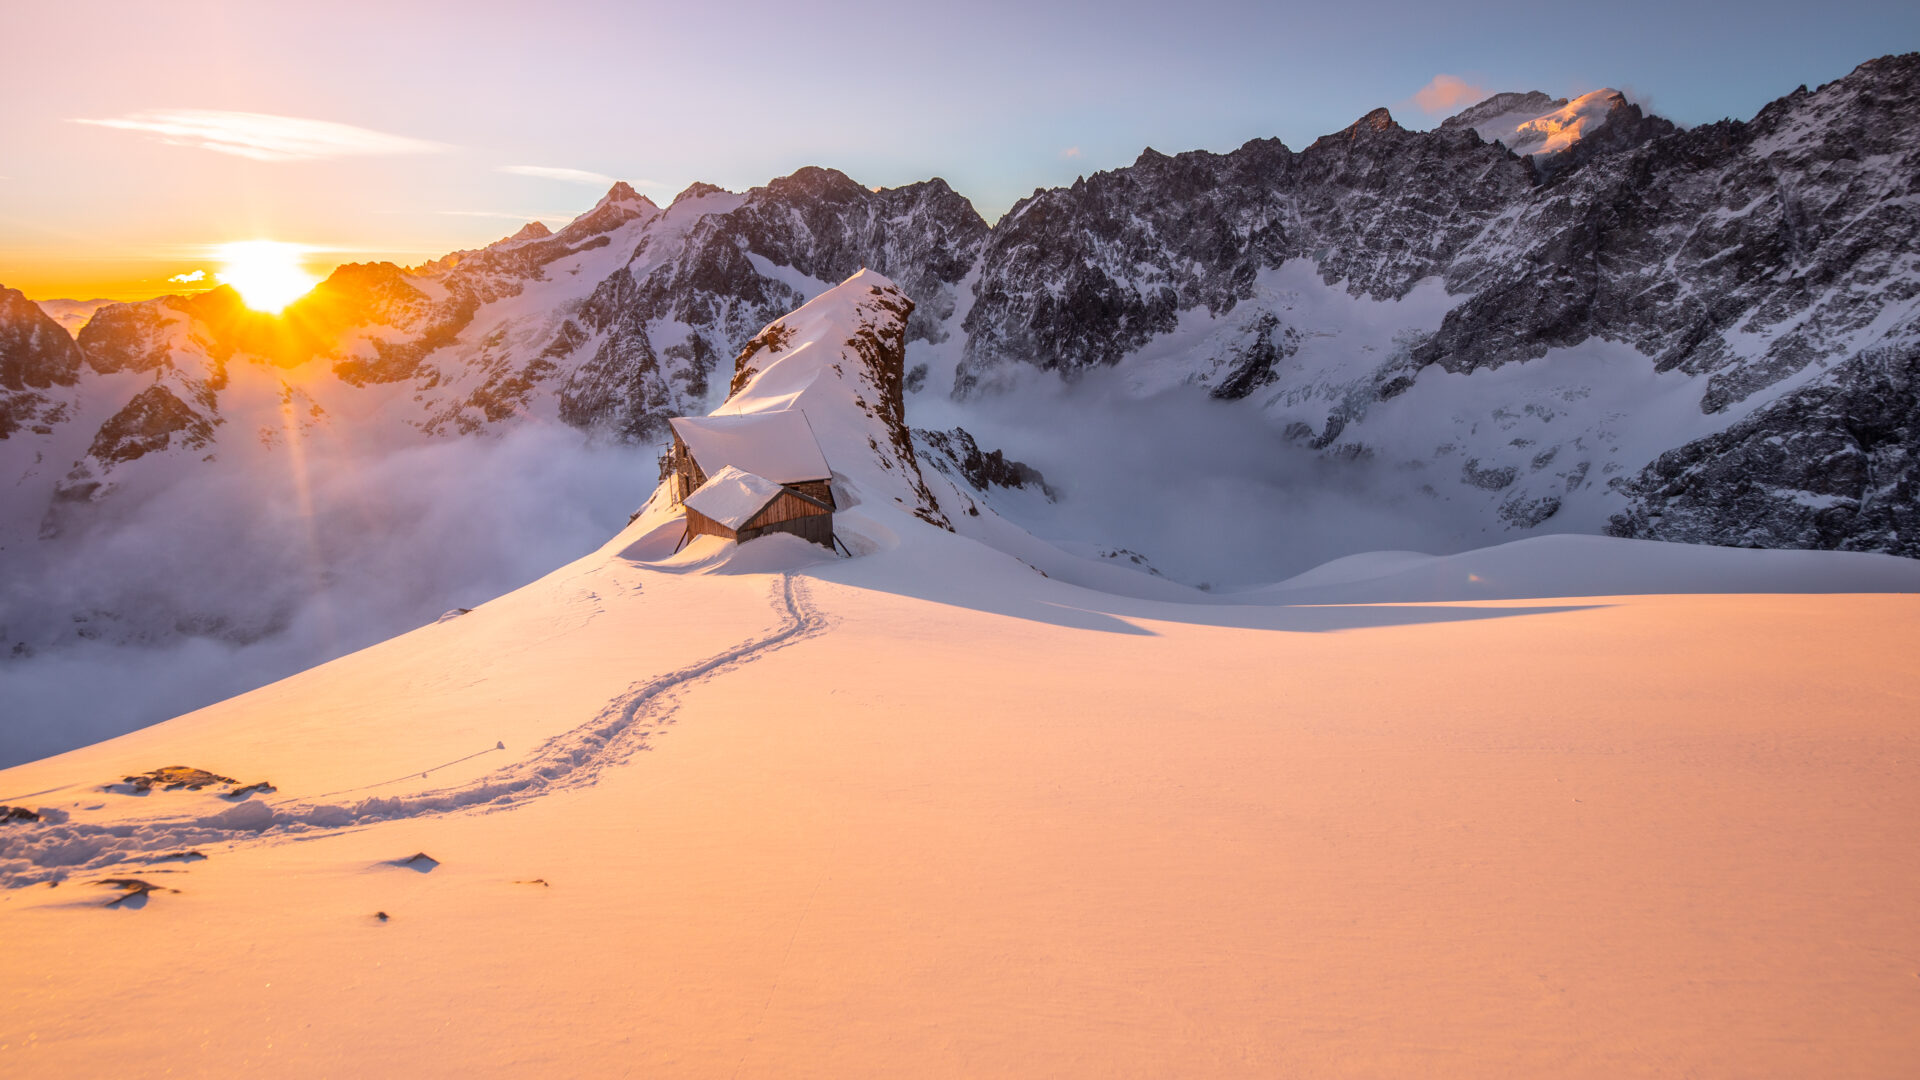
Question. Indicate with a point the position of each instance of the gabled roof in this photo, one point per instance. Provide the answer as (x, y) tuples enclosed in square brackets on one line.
[(776, 445), (731, 496)]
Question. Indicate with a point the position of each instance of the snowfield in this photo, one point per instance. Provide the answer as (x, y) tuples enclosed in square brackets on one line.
[(966, 804)]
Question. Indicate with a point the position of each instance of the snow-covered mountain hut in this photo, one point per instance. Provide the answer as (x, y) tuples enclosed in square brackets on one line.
[(739, 506), (744, 475), (777, 445)]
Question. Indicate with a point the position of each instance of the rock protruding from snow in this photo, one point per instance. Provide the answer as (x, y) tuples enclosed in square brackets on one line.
[(36, 355), (1833, 465), (958, 455), (840, 360)]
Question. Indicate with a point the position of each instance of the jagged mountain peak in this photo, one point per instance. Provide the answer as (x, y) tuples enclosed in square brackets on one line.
[(1546, 128), (1520, 105), (817, 183), (699, 189), (622, 194), (618, 206), (36, 354), (532, 230), (1377, 120)]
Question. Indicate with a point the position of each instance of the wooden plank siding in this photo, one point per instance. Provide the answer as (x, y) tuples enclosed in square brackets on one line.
[(683, 474), (818, 489), (787, 513), (699, 524), (784, 507), (816, 527)]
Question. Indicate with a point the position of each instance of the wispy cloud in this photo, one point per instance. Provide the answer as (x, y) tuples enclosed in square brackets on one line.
[(188, 279), (1447, 93), (264, 136), (548, 172), (1070, 152)]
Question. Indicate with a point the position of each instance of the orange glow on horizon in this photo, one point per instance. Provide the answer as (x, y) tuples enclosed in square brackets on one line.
[(268, 274)]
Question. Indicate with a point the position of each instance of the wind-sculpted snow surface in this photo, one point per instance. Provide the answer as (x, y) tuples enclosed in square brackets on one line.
[(63, 846)]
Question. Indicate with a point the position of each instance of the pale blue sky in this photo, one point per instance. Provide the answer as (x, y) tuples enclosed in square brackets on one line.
[(998, 98)]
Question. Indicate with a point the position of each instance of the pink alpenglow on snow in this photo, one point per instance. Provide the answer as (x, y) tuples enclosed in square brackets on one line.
[(968, 804), (1545, 134), (778, 445)]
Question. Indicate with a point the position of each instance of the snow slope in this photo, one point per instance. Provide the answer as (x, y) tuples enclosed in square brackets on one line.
[(752, 810)]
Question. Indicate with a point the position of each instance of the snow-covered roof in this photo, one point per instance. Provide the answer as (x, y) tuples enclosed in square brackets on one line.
[(732, 496), (777, 445)]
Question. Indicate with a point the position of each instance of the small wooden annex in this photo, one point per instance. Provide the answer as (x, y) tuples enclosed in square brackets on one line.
[(740, 506)]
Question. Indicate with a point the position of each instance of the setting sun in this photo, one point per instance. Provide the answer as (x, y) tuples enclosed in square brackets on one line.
[(268, 274)]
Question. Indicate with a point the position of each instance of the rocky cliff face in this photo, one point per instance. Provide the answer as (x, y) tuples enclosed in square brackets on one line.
[(1833, 465), (1739, 251), (1749, 256), (36, 355), (1082, 276)]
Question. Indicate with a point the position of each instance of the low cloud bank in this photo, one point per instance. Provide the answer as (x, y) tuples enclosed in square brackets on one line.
[(1209, 491), (226, 581)]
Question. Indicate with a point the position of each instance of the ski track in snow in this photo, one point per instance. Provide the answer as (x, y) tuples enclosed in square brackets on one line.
[(572, 759)]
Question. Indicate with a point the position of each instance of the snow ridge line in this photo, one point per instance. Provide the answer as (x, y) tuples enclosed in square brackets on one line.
[(30, 855)]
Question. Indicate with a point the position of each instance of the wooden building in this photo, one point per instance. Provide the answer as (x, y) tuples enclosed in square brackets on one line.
[(739, 506), (777, 446)]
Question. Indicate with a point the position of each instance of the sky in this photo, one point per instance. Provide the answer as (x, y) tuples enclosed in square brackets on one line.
[(137, 137)]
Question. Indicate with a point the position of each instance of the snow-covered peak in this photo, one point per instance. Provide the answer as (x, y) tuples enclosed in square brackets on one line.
[(1495, 119), (532, 230), (699, 189), (618, 206), (621, 194), (1533, 123), (1561, 128)]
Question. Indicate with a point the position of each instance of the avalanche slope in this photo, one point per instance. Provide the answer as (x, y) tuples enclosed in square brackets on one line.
[(955, 807)]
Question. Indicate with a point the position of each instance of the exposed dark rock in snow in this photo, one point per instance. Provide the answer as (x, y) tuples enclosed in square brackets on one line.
[(956, 454), (1833, 465), (153, 420), (33, 359)]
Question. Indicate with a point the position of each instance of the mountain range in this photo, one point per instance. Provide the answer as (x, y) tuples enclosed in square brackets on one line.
[(1551, 315)]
